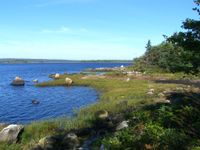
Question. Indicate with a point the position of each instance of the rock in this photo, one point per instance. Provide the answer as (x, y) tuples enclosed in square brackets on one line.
[(117, 118), (35, 81), (47, 143), (161, 95), (167, 101), (57, 76), (18, 82), (128, 79), (122, 125), (35, 102), (10, 133), (151, 90), (150, 93), (70, 141), (102, 114), (68, 81)]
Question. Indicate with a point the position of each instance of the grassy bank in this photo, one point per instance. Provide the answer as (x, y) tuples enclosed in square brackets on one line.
[(117, 95)]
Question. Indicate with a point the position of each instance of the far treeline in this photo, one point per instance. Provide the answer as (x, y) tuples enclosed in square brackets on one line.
[(178, 53)]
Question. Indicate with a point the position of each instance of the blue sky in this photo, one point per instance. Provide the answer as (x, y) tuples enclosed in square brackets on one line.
[(87, 29)]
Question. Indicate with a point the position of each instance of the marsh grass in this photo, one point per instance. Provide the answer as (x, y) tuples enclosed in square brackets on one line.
[(116, 95)]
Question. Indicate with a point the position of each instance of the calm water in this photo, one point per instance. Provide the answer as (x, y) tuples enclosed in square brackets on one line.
[(15, 102)]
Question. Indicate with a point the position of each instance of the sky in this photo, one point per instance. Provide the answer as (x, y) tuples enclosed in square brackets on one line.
[(87, 29)]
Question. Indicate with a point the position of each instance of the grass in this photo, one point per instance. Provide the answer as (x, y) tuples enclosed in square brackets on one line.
[(113, 90)]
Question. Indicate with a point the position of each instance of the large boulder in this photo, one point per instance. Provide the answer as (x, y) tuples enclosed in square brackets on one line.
[(10, 133), (68, 81), (57, 76), (70, 141), (18, 82)]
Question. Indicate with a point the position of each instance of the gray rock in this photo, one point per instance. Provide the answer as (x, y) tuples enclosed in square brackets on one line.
[(161, 95), (102, 114), (122, 125), (71, 141), (10, 133), (150, 93), (47, 143), (35, 81), (35, 102)]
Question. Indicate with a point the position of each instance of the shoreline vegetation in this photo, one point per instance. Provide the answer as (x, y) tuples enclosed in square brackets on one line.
[(135, 109)]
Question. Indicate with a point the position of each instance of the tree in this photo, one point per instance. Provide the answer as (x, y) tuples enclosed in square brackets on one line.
[(190, 41), (148, 46)]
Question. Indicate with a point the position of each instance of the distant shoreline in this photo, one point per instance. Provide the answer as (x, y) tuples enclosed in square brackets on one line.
[(49, 61)]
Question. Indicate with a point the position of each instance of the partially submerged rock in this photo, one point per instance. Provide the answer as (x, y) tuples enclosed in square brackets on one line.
[(18, 82), (10, 133), (35, 81), (35, 102)]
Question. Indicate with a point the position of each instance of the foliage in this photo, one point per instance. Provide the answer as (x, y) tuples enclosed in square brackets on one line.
[(190, 41), (164, 56), (161, 126)]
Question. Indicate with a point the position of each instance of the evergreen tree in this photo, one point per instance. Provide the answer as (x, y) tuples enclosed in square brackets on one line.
[(190, 41)]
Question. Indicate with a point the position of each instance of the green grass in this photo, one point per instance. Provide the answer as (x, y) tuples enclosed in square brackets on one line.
[(113, 90)]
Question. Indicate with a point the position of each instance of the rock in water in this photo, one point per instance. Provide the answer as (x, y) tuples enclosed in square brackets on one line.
[(68, 81), (35, 81), (18, 82), (10, 133), (35, 102)]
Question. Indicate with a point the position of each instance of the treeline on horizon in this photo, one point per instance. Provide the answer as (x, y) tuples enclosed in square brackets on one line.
[(26, 61), (178, 53)]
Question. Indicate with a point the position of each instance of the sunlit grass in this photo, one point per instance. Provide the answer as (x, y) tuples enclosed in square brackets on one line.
[(113, 91)]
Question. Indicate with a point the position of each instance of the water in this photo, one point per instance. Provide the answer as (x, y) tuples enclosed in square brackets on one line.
[(16, 102)]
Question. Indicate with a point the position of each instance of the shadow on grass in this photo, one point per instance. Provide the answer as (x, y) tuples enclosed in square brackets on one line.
[(184, 82)]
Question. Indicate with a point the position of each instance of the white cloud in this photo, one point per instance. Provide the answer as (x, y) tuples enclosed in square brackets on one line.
[(62, 29), (59, 2)]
